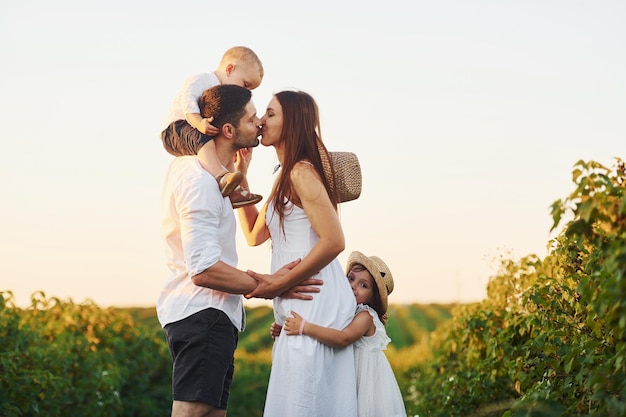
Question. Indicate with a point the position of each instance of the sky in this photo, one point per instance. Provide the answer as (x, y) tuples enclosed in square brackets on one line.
[(467, 118)]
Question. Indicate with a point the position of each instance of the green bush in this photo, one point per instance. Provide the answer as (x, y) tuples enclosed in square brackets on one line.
[(550, 339), (59, 358)]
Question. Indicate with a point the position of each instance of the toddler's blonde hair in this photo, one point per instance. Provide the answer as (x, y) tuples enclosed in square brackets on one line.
[(241, 54)]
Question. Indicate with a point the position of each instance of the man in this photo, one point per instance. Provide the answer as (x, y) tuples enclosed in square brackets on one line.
[(201, 304)]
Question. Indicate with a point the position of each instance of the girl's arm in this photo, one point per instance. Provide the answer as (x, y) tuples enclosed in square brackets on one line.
[(361, 325), (324, 220)]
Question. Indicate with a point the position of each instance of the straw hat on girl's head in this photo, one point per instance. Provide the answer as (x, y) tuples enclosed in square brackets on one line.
[(379, 271)]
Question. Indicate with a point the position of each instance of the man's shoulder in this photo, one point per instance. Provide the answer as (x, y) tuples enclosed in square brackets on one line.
[(187, 164), (186, 170)]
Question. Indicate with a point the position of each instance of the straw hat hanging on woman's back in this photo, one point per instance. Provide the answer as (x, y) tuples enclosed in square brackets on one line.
[(347, 179)]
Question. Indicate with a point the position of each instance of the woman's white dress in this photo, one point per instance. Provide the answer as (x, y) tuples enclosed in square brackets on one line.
[(377, 389), (309, 378)]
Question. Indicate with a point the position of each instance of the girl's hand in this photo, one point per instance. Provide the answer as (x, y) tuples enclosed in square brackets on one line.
[(275, 329), (292, 324)]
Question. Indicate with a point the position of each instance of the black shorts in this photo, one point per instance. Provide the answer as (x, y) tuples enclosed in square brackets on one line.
[(180, 138), (203, 348)]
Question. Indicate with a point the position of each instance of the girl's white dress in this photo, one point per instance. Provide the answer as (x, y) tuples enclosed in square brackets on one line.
[(309, 378), (377, 389)]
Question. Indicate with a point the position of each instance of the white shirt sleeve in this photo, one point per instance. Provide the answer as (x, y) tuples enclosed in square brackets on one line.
[(199, 208)]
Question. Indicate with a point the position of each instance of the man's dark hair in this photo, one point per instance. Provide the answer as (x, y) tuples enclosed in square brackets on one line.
[(226, 103)]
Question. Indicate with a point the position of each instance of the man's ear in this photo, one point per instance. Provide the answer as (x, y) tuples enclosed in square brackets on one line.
[(228, 130)]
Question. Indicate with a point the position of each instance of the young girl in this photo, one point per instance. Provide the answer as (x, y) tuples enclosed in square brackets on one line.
[(378, 393)]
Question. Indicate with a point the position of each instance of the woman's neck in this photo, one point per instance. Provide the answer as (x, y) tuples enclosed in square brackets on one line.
[(280, 154)]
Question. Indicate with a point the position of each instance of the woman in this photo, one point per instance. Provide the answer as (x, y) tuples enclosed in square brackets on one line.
[(307, 378)]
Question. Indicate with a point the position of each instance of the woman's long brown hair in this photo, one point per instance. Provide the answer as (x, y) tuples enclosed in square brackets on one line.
[(301, 136)]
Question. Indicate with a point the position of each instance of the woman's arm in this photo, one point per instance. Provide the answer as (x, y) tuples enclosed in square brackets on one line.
[(321, 213), (360, 325), (251, 220), (253, 224)]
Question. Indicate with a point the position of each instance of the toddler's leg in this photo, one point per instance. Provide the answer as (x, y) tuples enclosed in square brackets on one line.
[(241, 197), (228, 182)]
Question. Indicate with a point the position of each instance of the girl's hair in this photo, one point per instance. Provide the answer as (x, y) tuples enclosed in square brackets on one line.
[(302, 142), (377, 304)]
